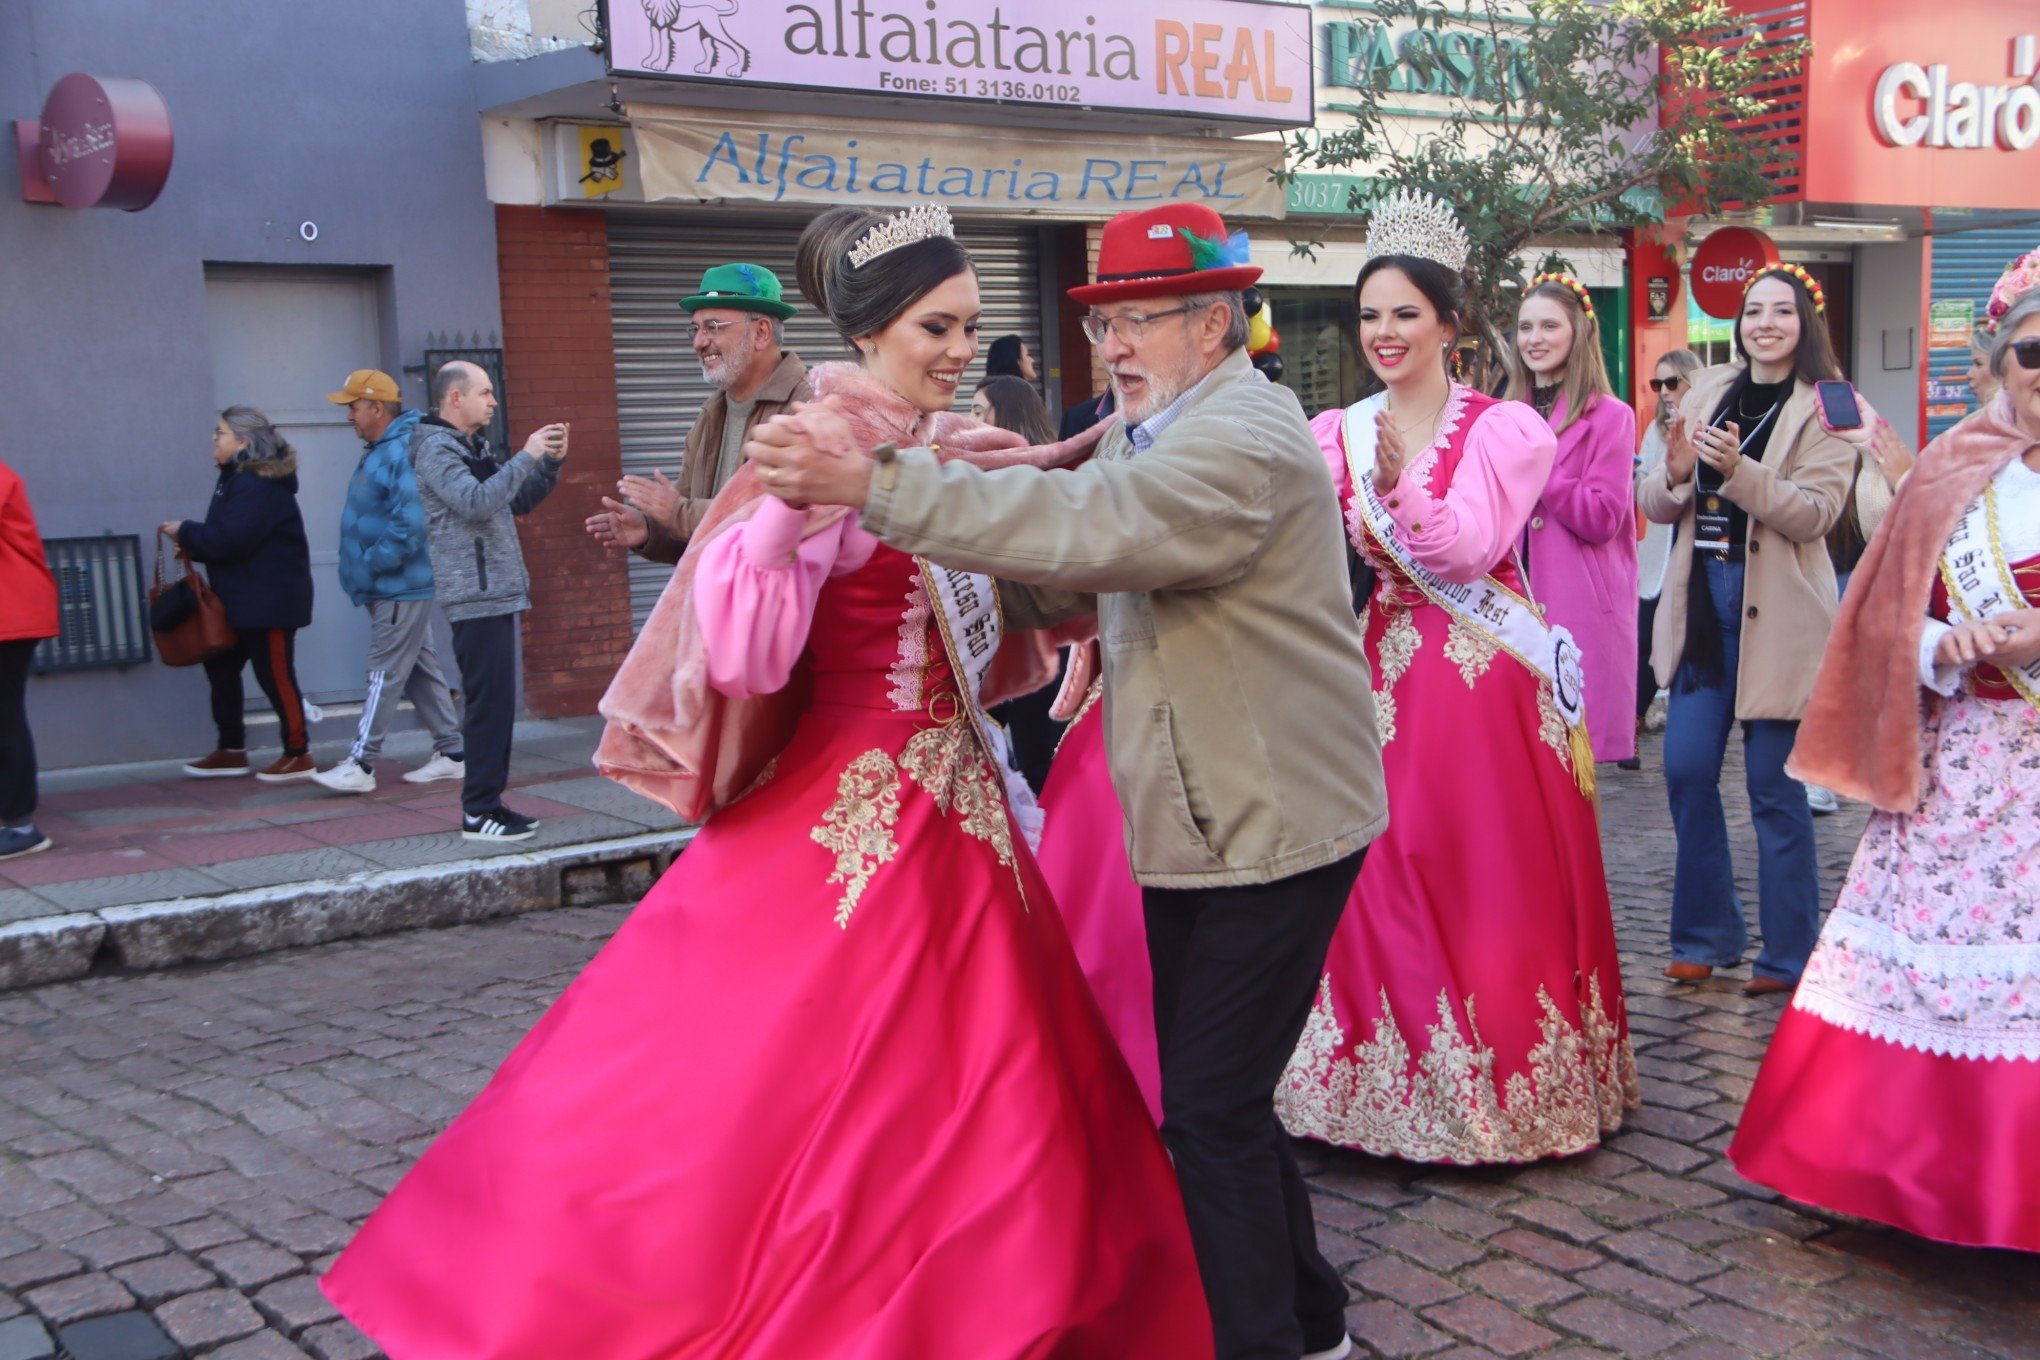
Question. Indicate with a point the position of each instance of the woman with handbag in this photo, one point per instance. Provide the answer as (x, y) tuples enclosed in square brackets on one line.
[(252, 540), (28, 614)]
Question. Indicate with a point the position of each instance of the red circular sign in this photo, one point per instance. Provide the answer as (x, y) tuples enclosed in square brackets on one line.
[(1723, 265), (105, 142)]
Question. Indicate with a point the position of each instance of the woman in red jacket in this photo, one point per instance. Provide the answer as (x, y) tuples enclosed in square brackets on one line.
[(28, 614)]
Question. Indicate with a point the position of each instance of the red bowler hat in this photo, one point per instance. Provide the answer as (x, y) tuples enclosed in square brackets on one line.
[(1170, 251)]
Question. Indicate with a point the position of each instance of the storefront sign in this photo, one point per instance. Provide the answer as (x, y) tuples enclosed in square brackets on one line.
[(1916, 105), (1911, 104), (1657, 297), (1244, 60), (1461, 64), (767, 159), (103, 142), (1723, 265), (1950, 322)]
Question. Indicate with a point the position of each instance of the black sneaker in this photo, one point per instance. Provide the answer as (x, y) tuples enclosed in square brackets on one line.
[(500, 824), (16, 841)]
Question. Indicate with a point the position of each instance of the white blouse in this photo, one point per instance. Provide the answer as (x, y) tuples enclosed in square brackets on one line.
[(2018, 492)]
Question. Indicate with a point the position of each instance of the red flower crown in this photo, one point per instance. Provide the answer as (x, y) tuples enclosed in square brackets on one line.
[(1797, 271), (1579, 290)]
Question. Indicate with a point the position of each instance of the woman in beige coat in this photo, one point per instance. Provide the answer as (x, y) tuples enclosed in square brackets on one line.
[(1753, 483)]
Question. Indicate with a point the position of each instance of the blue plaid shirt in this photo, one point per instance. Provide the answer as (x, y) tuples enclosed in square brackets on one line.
[(1148, 431)]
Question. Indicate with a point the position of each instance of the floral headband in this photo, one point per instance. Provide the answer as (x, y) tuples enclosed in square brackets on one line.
[(1579, 290), (2020, 277), (1797, 271)]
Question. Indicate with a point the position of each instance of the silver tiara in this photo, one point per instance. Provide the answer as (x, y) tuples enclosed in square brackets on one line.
[(903, 228), (1409, 222)]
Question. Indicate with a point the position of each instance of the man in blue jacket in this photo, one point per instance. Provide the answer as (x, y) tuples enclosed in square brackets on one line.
[(386, 568)]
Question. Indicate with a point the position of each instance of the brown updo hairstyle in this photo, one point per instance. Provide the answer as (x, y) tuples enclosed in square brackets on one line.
[(862, 300), (1443, 288)]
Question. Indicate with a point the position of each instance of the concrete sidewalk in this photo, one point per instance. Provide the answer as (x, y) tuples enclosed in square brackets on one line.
[(152, 868)]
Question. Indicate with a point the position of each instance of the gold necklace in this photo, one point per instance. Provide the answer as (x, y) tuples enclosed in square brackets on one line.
[(1405, 429)]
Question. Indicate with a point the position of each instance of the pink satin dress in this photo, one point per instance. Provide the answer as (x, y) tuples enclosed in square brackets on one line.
[(1472, 1009), (1083, 857), (835, 1091), (1903, 1083)]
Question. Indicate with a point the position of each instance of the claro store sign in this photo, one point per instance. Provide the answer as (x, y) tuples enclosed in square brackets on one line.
[(1930, 105), (1919, 105), (1236, 60)]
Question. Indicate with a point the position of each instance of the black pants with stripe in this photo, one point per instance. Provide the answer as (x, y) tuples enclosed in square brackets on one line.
[(273, 654), (17, 744)]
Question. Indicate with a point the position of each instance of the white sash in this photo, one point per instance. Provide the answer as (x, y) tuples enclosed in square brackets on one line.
[(1980, 580), (967, 610), (1487, 606)]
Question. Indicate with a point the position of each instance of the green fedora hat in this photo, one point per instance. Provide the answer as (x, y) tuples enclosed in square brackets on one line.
[(743, 288)]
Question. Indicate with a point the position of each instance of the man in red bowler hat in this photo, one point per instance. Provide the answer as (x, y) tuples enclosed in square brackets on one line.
[(1205, 536)]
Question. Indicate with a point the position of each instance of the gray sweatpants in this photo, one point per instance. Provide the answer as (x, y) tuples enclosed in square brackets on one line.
[(401, 660)]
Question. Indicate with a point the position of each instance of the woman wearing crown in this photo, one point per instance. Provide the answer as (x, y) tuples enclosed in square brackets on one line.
[(1472, 1009), (836, 1089), (1903, 1084)]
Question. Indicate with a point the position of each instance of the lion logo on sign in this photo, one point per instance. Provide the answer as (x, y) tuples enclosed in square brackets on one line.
[(721, 55)]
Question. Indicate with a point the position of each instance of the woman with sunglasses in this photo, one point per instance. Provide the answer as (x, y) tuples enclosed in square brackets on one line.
[(1674, 371), (1753, 482), (1903, 1084), (1580, 547)]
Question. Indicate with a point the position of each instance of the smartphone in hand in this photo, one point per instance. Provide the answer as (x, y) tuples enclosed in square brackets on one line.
[(1839, 409)]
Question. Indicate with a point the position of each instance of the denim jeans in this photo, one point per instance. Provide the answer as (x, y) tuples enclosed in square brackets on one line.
[(1707, 916)]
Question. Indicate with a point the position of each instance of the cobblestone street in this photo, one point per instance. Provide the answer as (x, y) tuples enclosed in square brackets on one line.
[(182, 1152)]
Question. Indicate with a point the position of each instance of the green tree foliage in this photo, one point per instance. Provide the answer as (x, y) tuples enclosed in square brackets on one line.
[(1545, 116)]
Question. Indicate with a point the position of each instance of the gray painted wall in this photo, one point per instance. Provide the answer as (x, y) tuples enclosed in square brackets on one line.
[(357, 116)]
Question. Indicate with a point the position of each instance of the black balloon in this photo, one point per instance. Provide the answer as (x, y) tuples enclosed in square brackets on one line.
[(1271, 365), (1252, 298)]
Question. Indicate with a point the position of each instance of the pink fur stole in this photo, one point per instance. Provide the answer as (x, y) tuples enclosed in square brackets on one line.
[(671, 736)]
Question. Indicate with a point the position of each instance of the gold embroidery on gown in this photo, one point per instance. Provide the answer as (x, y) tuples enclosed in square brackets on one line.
[(946, 761), (858, 827), (1450, 1108), (1399, 643), (1551, 726), (1469, 649)]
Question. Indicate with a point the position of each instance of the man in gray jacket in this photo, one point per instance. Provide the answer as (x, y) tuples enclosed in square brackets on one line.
[(1239, 717), (471, 496)]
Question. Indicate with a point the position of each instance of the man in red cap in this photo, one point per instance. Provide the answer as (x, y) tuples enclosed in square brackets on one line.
[(1205, 535)]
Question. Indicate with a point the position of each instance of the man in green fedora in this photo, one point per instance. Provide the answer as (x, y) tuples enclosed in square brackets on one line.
[(737, 337)]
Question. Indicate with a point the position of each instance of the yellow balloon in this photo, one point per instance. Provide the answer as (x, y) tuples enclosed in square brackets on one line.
[(1259, 330)]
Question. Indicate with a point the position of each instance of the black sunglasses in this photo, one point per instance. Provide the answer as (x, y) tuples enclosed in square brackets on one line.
[(2027, 352), (1666, 384)]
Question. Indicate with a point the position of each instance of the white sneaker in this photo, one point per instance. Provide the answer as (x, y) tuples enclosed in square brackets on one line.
[(346, 777), (1821, 800), (1338, 1352), (435, 769)]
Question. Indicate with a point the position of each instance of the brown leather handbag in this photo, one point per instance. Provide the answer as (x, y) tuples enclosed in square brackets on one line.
[(188, 620)]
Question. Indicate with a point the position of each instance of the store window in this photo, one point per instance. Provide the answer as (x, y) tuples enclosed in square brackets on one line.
[(1321, 361)]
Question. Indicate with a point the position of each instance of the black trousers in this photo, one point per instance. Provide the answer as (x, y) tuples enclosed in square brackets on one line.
[(1235, 972), (486, 651), (17, 743), (1034, 734), (273, 654), (1646, 678)]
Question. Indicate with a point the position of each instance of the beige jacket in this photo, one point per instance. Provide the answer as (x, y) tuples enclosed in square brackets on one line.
[(1239, 715), (698, 465), (1793, 498)]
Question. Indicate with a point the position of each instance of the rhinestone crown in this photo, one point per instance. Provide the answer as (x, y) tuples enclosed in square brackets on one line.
[(917, 223), (1409, 222)]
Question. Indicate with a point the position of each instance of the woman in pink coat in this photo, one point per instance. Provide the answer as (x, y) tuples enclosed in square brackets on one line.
[(1580, 546)]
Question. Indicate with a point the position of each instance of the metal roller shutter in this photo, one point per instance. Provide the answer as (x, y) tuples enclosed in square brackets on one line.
[(1966, 266), (657, 259)]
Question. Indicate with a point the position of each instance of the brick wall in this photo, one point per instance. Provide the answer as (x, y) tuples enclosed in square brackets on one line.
[(559, 363)]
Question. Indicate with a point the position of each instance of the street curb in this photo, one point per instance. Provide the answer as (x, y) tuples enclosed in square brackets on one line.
[(148, 935)]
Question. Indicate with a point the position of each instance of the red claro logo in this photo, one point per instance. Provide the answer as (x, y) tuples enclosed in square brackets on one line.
[(1724, 263)]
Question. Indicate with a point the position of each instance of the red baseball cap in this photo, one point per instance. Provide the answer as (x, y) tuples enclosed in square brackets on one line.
[(1149, 254)]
